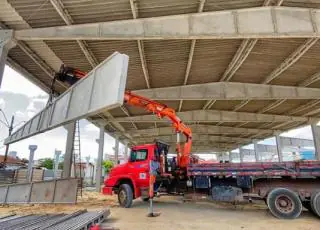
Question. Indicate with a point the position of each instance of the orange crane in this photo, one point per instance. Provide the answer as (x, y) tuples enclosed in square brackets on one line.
[(72, 75)]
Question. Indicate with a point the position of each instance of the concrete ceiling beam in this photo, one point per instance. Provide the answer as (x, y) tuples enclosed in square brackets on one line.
[(263, 22), (219, 116), (230, 91)]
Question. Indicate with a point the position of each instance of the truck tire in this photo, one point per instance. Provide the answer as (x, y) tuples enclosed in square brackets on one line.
[(125, 196), (315, 203), (284, 203)]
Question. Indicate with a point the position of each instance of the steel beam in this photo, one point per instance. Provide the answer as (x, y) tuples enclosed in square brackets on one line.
[(263, 22), (134, 10), (219, 116), (190, 58), (230, 91), (315, 77), (61, 10)]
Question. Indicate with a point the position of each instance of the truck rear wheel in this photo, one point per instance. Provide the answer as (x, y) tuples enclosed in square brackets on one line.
[(125, 196), (315, 203), (284, 203)]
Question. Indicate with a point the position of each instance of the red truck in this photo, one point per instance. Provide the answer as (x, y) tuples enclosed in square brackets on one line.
[(286, 187)]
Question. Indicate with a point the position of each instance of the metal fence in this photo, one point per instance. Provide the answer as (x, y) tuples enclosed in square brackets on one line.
[(51, 191)]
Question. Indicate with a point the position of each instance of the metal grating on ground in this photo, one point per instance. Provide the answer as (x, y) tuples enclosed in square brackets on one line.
[(80, 220)]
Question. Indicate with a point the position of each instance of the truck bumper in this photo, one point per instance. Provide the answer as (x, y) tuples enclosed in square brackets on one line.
[(107, 190)]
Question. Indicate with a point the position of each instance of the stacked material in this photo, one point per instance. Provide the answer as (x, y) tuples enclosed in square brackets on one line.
[(80, 220)]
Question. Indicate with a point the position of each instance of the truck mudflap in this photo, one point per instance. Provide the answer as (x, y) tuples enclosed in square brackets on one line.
[(107, 191)]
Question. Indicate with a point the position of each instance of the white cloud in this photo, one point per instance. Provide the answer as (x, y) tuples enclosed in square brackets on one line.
[(2, 103), (14, 82)]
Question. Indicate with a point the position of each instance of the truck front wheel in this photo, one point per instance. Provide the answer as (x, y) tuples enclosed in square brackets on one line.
[(125, 196), (284, 203), (315, 203)]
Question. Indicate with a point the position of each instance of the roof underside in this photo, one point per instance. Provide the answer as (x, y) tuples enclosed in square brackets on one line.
[(167, 61)]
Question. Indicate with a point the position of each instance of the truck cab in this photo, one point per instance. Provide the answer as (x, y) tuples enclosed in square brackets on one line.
[(131, 179)]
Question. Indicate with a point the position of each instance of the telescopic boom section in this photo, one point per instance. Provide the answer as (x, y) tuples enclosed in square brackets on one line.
[(161, 111)]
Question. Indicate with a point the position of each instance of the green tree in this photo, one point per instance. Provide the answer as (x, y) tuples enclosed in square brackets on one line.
[(47, 163), (107, 165)]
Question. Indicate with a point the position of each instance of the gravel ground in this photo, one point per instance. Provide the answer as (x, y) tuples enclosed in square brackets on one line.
[(175, 214)]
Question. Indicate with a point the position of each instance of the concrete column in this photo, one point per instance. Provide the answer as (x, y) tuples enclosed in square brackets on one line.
[(256, 151), (5, 46), (57, 154), (316, 139), (279, 148), (241, 154), (32, 149), (230, 156), (69, 150), (100, 141), (116, 150), (126, 151)]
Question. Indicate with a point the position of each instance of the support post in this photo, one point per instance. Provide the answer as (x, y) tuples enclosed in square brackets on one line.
[(5, 46), (100, 141), (69, 150), (32, 149), (279, 148), (256, 151), (57, 154), (241, 154), (126, 151), (87, 174), (230, 156), (316, 139), (116, 151)]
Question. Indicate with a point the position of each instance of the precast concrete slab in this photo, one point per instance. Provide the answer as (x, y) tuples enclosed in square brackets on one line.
[(102, 90)]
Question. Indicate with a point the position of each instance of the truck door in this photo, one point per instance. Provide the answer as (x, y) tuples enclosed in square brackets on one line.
[(139, 166)]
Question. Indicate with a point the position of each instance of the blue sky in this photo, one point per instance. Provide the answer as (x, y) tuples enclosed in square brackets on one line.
[(22, 98)]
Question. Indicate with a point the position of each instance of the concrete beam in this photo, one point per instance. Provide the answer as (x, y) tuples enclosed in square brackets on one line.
[(263, 22), (5, 45), (195, 137), (218, 116), (230, 91), (199, 129)]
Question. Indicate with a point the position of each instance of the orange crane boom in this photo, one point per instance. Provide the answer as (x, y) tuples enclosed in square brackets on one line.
[(72, 75)]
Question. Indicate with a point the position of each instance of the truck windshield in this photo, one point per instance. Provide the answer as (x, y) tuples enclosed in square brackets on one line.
[(138, 155)]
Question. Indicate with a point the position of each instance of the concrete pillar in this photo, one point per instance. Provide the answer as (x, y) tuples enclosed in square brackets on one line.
[(230, 156), (57, 154), (32, 149), (69, 150), (279, 148), (126, 151), (5, 46), (241, 154), (316, 139), (256, 151), (100, 141), (116, 150)]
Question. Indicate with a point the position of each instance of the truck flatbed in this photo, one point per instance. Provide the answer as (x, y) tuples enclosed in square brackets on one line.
[(301, 168)]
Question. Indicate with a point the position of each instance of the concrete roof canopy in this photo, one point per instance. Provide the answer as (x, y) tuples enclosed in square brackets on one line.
[(236, 71)]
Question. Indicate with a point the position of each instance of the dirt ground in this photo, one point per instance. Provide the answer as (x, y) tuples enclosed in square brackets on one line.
[(175, 214)]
